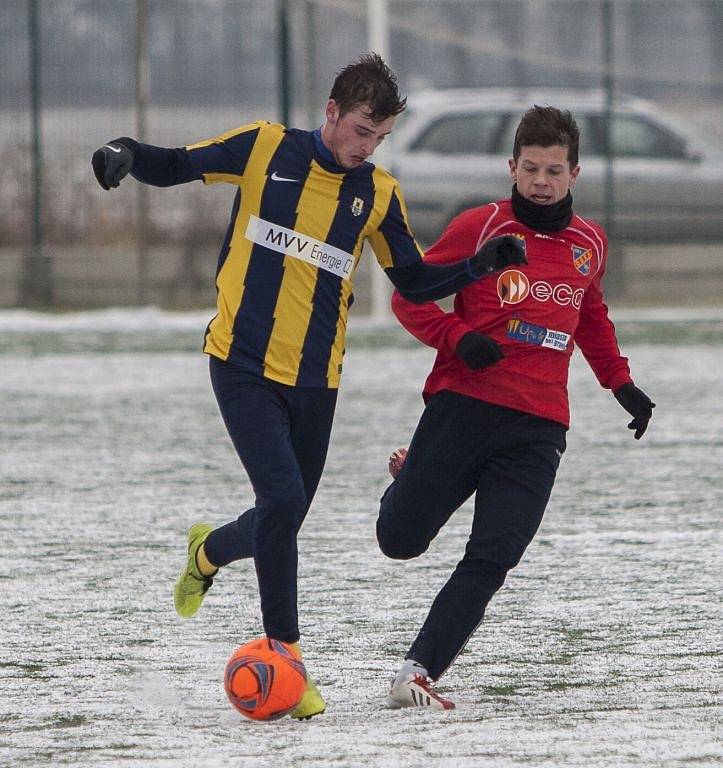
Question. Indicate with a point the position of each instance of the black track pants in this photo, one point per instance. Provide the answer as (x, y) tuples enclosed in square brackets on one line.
[(463, 446), (281, 435)]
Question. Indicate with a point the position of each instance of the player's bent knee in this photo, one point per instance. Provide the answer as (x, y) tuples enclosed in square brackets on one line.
[(399, 546)]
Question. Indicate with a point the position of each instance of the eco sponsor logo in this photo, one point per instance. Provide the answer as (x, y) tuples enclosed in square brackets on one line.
[(581, 258), (300, 246), (520, 330), (513, 287)]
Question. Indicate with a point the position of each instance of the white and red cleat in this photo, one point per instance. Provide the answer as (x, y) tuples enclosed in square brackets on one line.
[(396, 461), (416, 691)]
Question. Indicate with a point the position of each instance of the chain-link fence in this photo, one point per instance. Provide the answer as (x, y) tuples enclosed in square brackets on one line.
[(76, 73)]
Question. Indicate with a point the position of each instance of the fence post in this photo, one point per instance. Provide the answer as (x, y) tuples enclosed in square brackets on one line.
[(36, 285), (284, 63), (378, 42), (143, 88), (615, 277)]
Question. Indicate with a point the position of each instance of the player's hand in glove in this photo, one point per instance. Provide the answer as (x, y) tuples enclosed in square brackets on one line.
[(478, 351), (638, 405), (498, 253), (112, 162)]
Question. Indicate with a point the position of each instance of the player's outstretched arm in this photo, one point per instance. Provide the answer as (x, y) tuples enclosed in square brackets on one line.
[(423, 281), (638, 405), (158, 166)]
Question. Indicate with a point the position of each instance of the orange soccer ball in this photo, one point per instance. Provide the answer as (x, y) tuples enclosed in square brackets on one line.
[(265, 679)]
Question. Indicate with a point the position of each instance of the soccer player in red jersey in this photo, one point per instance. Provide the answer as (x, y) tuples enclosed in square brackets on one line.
[(496, 399)]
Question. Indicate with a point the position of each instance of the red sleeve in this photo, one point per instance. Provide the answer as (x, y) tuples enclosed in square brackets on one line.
[(427, 322), (595, 335)]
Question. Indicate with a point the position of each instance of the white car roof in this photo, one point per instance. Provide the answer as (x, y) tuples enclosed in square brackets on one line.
[(453, 99), (425, 104)]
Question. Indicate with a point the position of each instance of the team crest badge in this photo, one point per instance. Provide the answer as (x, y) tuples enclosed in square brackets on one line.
[(357, 207), (581, 258)]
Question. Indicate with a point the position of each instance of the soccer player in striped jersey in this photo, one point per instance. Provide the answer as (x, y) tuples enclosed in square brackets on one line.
[(496, 399), (305, 204)]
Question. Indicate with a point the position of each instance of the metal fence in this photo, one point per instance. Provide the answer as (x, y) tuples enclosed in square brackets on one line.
[(76, 73)]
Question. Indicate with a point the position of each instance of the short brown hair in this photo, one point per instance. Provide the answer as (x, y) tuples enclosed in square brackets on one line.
[(368, 81), (545, 127)]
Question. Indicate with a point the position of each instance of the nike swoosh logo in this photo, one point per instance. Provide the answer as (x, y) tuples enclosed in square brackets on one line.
[(275, 177), (112, 148)]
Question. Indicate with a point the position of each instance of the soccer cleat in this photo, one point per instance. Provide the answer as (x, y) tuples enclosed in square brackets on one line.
[(396, 461), (192, 585), (311, 703), (416, 691)]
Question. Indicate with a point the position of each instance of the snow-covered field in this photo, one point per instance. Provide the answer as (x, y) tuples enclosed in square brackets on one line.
[(602, 649)]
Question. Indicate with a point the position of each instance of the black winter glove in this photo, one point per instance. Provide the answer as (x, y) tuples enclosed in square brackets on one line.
[(498, 253), (478, 351), (112, 162), (638, 405)]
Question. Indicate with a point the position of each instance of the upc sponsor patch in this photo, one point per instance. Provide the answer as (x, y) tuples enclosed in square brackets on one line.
[(520, 330)]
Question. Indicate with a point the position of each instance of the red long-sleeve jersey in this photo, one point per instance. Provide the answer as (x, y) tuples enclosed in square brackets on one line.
[(536, 312)]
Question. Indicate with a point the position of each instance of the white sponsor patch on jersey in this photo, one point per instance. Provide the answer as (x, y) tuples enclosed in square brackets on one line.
[(300, 246), (520, 330)]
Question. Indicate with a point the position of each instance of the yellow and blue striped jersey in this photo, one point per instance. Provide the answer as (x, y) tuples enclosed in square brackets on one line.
[(285, 271)]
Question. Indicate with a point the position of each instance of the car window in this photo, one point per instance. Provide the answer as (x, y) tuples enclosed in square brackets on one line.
[(635, 137), (462, 134)]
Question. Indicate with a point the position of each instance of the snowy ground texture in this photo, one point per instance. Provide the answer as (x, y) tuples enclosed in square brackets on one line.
[(602, 649)]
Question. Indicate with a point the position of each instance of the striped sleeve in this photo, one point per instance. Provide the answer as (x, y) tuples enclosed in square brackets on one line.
[(224, 158), (392, 240)]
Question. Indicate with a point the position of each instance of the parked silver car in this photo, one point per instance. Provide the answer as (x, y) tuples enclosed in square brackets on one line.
[(451, 152)]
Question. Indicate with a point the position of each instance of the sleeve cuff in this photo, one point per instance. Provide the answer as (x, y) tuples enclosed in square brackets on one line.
[(617, 381)]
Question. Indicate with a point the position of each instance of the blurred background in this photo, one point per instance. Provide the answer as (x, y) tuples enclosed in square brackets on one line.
[(644, 76)]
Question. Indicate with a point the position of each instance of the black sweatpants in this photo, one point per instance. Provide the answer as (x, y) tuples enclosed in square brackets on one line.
[(281, 434), (463, 446)]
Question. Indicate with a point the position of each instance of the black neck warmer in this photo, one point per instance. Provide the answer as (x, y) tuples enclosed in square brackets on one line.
[(545, 218)]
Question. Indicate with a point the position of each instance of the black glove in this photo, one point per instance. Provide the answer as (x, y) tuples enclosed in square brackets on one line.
[(112, 162), (478, 351), (638, 405), (498, 253)]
